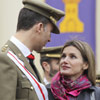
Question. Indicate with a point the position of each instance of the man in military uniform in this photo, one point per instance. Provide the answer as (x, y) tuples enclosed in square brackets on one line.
[(18, 80), (98, 80), (49, 59)]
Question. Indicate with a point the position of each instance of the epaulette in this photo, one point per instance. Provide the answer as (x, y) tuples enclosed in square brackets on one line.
[(4, 48)]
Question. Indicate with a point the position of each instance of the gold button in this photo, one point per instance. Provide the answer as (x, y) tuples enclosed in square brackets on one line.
[(3, 49), (32, 88), (6, 46), (19, 54)]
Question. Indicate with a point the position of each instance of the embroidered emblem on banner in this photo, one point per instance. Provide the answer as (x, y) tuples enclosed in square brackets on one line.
[(71, 21)]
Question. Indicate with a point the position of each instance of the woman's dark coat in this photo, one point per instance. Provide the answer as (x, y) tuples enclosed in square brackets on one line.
[(84, 95)]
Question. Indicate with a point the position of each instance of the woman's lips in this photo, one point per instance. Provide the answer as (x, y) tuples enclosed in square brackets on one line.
[(65, 67)]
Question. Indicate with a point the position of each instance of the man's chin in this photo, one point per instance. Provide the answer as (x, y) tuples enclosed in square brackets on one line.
[(52, 74)]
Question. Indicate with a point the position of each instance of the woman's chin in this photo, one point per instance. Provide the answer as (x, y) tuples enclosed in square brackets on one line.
[(64, 72)]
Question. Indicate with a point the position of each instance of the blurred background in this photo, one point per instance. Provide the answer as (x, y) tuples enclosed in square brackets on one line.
[(9, 10)]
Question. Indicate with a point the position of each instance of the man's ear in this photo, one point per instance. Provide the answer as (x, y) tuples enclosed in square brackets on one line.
[(39, 27), (46, 66)]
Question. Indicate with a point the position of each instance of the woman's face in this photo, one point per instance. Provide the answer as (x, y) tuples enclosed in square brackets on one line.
[(71, 63)]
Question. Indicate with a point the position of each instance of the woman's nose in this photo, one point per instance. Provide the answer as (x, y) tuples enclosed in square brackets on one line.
[(65, 60)]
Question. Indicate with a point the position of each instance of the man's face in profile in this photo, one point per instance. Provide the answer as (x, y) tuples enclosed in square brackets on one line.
[(54, 66)]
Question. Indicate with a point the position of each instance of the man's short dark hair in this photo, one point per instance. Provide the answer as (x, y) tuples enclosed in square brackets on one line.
[(27, 18), (46, 59), (43, 59)]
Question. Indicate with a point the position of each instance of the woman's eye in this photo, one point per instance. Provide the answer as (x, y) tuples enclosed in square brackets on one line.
[(63, 56), (73, 56)]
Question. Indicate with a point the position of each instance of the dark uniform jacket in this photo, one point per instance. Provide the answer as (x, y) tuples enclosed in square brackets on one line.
[(13, 83), (84, 95)]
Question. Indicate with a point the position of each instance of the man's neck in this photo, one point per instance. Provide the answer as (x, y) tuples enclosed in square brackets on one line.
[(48, 78)]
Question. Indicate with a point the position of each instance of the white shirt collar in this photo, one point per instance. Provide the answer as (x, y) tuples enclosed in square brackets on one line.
[(45, 81), (20, 46)]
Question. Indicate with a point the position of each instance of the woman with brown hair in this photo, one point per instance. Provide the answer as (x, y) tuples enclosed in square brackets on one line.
[(77, 75)]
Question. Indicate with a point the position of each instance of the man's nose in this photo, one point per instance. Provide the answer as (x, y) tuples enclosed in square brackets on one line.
[(49, 39)]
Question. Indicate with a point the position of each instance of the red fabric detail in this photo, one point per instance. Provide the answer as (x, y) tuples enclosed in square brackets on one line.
[(66, 89), (31, 56)]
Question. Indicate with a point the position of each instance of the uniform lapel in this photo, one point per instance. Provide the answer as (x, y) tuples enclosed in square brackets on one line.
[(19, 54)]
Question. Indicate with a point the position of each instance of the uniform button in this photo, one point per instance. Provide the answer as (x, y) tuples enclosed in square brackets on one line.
[(32, 88), (3, 49), (6, 46), (19, 54)]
